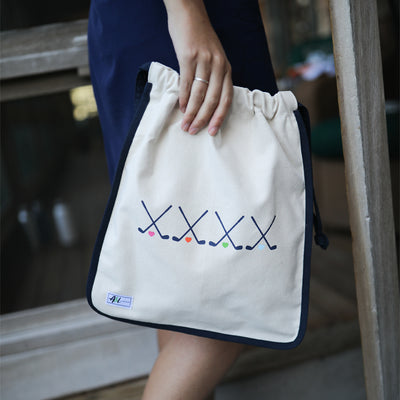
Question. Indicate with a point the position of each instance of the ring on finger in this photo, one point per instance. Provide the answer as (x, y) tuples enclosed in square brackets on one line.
[(201, 80)]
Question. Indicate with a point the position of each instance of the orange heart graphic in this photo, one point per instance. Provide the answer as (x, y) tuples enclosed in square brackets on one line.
[(188, 239)]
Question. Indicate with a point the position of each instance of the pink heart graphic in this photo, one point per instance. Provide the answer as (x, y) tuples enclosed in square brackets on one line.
[(151, 233)]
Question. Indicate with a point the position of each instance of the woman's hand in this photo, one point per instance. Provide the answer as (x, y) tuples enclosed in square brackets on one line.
[(200, 55)]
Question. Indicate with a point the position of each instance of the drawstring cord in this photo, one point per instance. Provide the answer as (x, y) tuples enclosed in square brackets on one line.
[(320, 238)]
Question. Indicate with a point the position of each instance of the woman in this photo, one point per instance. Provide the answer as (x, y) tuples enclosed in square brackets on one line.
[(212, 43)]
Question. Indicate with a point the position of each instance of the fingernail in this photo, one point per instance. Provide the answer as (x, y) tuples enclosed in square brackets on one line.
[(185, 127), (193, 131), (213, 130), (183, 109)]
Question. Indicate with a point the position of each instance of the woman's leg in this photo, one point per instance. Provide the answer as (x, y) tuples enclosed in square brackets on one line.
[(189, 367)]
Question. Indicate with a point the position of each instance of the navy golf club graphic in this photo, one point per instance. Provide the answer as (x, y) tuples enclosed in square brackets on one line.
[(211, 243), (262, 236), (226, 231), (154, 223), (190, 228)]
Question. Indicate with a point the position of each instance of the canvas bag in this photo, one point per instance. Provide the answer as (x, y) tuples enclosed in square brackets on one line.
[(210, 235)]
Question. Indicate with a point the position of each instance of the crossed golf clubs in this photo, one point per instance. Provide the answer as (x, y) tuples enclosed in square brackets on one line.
[(262, 236), (201, 242), (190, 228), (211, 243), (154, 222)]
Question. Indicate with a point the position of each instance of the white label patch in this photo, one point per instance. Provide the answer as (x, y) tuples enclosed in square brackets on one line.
[(119, 301)]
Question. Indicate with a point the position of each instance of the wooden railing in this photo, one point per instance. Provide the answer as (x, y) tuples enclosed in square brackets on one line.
[(53, 58), (43, 60), (358, 62)]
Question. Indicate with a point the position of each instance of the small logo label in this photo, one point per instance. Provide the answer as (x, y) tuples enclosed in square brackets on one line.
[(118, 300)]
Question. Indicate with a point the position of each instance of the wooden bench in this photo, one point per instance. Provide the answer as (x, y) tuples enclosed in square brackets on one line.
[(43, 60), (33, 341), (53, 58)]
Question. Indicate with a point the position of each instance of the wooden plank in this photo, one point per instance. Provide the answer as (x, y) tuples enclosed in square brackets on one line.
[(65, 348), (331, 303), (330, 188), (35, 339), (316, 318), (132, 390), (43, 49), (54, 325), (361, 100), (332, 286), (251, 362), (39, 85), (319, 343), (334, 268)]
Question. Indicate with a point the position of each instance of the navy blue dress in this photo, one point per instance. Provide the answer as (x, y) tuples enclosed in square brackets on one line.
[(124, 34)]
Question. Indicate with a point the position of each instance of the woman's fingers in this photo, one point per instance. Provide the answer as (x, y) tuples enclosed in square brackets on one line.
[(185, 85), (206, 98), (222, 109), (197, 95), (216, 104), (210, 101), (187, 71), (200, 54)]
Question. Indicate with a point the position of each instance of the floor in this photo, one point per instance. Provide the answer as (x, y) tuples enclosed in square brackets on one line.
[(55, 273), (327, 364), (331, 378), (339, 376)]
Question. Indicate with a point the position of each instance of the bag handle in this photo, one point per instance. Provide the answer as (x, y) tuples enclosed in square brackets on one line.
[(141, 80)]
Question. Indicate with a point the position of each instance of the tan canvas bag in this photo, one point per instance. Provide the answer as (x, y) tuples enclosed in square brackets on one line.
[(210, 235)]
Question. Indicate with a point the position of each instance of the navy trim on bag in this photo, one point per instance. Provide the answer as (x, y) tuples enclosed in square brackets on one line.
[(308, 180), (142, 98), (320, 238)]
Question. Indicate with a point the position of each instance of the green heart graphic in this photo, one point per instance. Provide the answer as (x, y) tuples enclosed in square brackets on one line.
[(225, 244)]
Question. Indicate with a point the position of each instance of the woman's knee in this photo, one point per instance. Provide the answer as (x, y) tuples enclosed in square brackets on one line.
[(199, 347)]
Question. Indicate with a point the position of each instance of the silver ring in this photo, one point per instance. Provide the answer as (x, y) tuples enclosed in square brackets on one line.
[(201, 80)]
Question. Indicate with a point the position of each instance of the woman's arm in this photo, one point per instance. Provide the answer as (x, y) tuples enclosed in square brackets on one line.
[(200, 54)]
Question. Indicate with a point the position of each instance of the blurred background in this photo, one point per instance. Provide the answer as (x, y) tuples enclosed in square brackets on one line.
[(54, 180)]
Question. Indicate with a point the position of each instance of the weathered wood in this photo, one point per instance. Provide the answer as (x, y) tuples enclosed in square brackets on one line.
[(331, 303), (55, 350), (336, 271), (43, 49), (33, 341), (51, 326), (43, 84), (132, 390), (251, 362), (322, 342), (361, 100)]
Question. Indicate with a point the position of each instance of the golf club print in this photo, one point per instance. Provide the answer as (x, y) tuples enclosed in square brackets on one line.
[(190, 229), (211, 243), (151, 233), (262, 236)]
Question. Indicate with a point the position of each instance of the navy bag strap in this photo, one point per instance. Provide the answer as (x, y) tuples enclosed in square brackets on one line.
[(320, 238), (141, 80)]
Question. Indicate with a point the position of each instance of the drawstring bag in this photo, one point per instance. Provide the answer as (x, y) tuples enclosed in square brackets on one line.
[(206, 235)]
